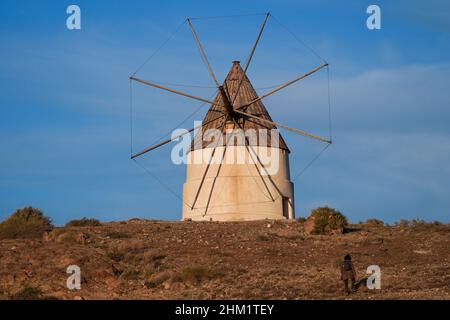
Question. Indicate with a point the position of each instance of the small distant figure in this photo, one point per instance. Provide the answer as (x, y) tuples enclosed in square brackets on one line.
[(348, 273)]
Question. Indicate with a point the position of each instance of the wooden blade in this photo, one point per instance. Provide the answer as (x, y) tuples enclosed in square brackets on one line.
[(256, 42), (174, 91), (203, 53), (251, 56), (267, 174), (309, 135), (207, 168), (172, 139), (214, 181), (248, 146), (215, 178), (284, 86)]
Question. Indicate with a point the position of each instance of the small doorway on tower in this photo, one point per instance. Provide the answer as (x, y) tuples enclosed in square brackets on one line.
[(286, 207)]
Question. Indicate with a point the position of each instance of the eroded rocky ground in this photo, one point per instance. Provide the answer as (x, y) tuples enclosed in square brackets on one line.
[(246, 260)]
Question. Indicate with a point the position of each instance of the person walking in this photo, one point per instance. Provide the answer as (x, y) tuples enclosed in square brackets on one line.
[(348, 273)]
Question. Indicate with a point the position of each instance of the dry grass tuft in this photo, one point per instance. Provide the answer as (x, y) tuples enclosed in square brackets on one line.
[(117, 235), (158, 279), (193, 275)]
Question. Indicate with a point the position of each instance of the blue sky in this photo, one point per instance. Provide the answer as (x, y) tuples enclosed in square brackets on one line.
[(64, 103)]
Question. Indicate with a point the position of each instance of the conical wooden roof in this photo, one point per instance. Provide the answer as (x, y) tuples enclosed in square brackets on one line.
[(246, 94)]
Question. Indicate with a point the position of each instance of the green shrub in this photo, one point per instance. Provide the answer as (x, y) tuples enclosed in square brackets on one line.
[(25, 223), (84, 222), (327, 219)]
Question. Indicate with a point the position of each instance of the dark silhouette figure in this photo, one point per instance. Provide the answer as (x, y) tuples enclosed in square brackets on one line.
[(348, 273)]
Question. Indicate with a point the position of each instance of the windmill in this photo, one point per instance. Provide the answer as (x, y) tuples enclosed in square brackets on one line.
[(221, 190)]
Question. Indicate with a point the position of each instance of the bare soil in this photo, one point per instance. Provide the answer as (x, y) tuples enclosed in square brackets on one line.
[(141, 259)]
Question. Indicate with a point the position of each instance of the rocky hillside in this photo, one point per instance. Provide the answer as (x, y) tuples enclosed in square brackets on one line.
[(247, 260)]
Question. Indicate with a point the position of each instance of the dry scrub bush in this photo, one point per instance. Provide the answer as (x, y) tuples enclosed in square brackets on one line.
[(422, 225), (327, 219), (117, 235), (84, 222), (31, 293), (374, 222), (25, 223)]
